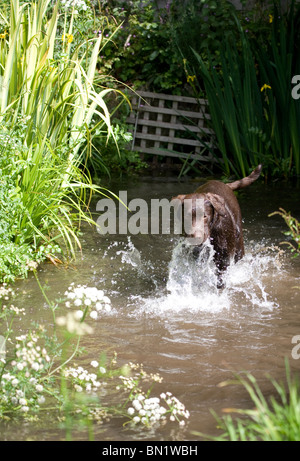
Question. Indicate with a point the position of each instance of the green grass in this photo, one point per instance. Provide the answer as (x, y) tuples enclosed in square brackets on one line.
[(275, 417)]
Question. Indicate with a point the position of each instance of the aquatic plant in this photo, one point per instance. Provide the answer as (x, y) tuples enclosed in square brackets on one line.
[(293, 232), (253, 114), (272, 419), (38, 371)]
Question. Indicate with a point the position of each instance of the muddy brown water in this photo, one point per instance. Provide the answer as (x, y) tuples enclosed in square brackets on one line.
[(192, 335)]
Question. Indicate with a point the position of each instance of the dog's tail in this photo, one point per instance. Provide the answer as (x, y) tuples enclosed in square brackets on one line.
[(240, 183)]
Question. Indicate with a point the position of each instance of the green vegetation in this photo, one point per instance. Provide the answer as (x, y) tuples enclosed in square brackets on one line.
[(63, 68), (242, 62), (253, 114), (272, 419), (48, 102), (293, 233), (73, 394)]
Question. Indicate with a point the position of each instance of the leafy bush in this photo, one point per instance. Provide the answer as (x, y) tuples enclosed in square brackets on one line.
[(47, 107), (148, 49)]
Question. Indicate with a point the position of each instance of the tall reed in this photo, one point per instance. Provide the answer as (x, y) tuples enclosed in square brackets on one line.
[(278, 62), (253, 115), (235, 107), (55, 99)]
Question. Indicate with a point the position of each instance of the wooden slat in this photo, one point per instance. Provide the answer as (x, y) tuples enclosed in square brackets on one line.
[(171, 126), (171, 97), (166, 153), (181, 113), (157, 137)]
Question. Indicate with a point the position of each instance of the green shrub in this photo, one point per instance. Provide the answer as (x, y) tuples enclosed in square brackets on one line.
[(47, 107)]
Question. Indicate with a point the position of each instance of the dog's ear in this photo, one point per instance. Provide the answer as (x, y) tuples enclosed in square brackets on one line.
[(217, 202)]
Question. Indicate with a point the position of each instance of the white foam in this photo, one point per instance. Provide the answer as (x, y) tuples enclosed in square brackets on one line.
[(192, 285)]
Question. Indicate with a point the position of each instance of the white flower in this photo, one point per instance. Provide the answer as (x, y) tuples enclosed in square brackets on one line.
[(41, 399), (130, 411), (39, 388), (7, 376), (25, 409), (22, 401), (94, 363), (137, 405), (100, 294), (94, 315), (98, 306), (78, 315), (102, 370)]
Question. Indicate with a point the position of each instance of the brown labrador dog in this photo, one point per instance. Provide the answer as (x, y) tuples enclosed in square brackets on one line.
[(215, 215)]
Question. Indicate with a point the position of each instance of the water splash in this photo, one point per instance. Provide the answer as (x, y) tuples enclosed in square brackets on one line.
[(130, 255), (192, 284)]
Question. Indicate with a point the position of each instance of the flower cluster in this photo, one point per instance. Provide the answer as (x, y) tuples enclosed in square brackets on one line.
[(29, 354), (82, 296), (77, 4), (13, 395), (151, 410), (176, 408), (5, 293), (82, 380), (73, 323), (21, 387), (67, 37)]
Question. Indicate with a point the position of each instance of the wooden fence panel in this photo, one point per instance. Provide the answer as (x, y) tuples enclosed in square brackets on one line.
[(171, 126)]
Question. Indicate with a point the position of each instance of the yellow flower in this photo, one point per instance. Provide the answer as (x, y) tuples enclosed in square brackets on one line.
[(68, 37), (3, 35), (270, 18), (191, 78), (265, 87)]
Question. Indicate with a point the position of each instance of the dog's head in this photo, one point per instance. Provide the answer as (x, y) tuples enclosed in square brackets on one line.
[(199, 214)]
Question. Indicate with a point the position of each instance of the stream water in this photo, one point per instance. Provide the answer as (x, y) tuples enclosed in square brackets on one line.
[(167, 314)]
